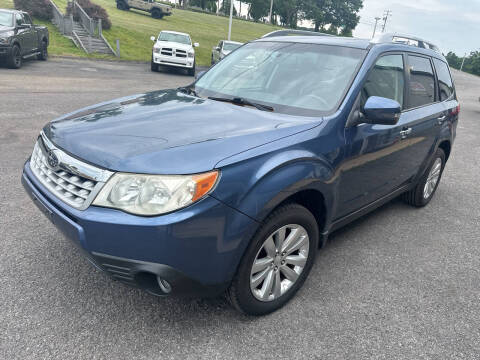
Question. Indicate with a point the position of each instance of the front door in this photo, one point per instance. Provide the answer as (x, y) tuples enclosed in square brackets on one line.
[(375, 162)]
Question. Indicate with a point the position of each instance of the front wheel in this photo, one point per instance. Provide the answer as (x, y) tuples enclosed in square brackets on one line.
[(191, 71), (157, 14), (121, 5), (277, 262), (154, 66), (423, 192), (16, 60)]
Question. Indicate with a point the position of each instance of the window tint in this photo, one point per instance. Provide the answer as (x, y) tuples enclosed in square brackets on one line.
[(422, 81), (26, 19), (19, 19), (445, 83), (386, 79)]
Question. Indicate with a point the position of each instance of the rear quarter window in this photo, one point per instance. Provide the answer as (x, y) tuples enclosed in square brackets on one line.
[(445, 83)]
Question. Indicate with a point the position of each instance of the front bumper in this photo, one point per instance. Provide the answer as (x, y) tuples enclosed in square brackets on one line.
[(195, 250), (186, 63), (5, 51)]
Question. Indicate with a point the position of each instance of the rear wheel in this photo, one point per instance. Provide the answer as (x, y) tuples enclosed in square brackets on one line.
[(15, 61), (277, 262), (43, 52), (423, 192), (157, 14)]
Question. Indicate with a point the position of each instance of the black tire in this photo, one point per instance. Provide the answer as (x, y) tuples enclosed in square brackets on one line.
[(121, 5), (43, 56), (157, 14), (154, 67), (15, 61), (191, 71), (415, 197), (240, 293)]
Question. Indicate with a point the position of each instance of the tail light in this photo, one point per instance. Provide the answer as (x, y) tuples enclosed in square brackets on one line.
[(456, 111)]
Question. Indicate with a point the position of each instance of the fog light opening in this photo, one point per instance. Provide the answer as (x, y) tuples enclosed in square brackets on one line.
[(164, 285)]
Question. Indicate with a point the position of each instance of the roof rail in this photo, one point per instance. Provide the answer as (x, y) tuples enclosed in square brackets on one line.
[(406, 40), (294, 33)]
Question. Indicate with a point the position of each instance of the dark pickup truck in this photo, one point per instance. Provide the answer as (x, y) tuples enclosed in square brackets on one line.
[(21, 39)]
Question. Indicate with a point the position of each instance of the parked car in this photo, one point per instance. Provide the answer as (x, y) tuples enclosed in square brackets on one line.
[(157, 10), (232, 183), (20, 39), (174, 49), (224, 48)]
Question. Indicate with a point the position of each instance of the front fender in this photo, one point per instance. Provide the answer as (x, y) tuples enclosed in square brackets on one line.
[(257, 186)]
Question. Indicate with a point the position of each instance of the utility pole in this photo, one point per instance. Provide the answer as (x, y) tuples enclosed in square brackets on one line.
[(386, 15), (463, 61), (375, 28), (230, 21), (270, 13)]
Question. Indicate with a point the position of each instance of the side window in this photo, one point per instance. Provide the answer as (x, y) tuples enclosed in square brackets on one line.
[(445, 83), (422, 81), (26, 19), (19, 19), (386, 79)]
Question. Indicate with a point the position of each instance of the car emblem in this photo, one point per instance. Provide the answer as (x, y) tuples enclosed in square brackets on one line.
[(52, 159)]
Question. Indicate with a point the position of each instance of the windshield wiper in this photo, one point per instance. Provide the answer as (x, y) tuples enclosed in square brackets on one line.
[(242, 101), (188, 90)]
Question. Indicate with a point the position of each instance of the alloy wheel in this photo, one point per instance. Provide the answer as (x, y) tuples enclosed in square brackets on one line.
[(432, 178), (279, 262)]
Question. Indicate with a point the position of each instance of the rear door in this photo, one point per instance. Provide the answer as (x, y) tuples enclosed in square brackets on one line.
[(30, 34), (423, 113), (446, 93)]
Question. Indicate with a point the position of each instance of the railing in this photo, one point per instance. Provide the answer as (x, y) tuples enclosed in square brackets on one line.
[(87, 22), (63, 22)]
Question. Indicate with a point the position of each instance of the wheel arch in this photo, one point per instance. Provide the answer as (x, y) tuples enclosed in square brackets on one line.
[(446, 146)]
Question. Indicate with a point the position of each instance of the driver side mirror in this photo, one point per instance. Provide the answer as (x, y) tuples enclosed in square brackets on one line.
[(217, 48), (196, 44), (153, 38), (382, 111)]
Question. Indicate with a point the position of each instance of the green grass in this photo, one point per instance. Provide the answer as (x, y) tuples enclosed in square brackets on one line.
[(134, 29)]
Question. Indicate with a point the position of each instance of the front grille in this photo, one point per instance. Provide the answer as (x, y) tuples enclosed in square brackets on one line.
[(167, 51), (173, 52), (72, 187), (181, 53)]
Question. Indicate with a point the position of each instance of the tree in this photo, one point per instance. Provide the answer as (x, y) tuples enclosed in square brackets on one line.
[(210, 5), (225, 8), (258, 9), (339, 17)]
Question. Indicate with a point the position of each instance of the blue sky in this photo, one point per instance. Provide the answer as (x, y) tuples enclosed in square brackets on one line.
[(450, 24)]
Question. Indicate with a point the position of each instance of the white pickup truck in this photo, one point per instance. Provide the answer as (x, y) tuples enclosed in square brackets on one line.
[(174, 49)]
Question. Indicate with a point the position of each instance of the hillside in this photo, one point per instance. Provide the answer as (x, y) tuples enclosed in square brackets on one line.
[(134, 29)]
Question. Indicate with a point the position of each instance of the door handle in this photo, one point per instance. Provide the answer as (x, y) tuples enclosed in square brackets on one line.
[(405, 132), (441, 119)]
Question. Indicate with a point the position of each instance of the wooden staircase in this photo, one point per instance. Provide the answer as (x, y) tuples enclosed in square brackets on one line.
[(89, 43)]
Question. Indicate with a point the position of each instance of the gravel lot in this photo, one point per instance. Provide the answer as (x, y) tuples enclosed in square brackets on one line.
[(400, 283)]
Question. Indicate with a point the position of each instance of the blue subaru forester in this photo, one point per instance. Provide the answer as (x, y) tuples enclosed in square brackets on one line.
[(231, 184)]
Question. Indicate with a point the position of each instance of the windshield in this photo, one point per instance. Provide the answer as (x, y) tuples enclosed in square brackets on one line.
[(293, 78), (178, 38), (230, 46), (6, 19)]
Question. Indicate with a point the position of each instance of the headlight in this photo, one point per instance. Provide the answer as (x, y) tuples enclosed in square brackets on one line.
[(154, 194), (5, 37), (156, 50), (191, 54)]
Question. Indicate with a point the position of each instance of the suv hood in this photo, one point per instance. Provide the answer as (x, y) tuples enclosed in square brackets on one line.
[(173, 45), (168, 132)]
